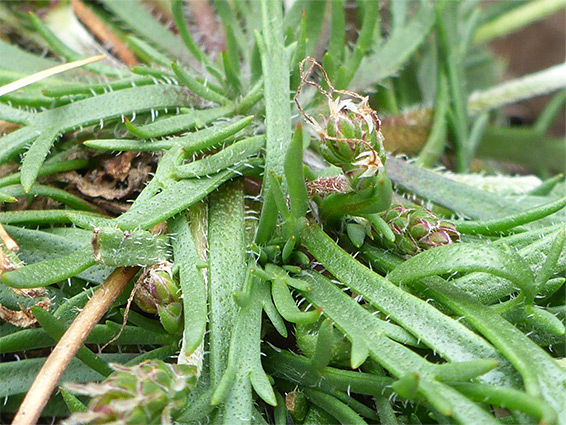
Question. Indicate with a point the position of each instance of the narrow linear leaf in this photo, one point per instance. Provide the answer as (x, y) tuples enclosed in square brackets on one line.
[(487, 227), (342, 412), (275, 70), (199, 89), (115, 248), (17, 376), (172, 200), (467, 200), (50, 271), (458, 258), (414, 314), (35, 156), (55, 329), (227, 270), (532, 85), (395, 52), (141, 21), (192, 284), (59, 195), (230, 156), (358, 323), (182, 122), (541, 374), (47, 169)]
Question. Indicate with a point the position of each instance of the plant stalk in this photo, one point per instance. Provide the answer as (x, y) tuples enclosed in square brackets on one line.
[(52, 370)]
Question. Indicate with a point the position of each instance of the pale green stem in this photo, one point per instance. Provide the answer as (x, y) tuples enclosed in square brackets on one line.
[(517, 19), (531, 85)]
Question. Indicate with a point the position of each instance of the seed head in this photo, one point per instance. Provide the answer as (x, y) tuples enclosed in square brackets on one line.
[(147, 393), (417, 229)]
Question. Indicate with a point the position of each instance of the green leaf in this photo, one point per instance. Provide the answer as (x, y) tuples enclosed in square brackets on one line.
[(50, 271), (489, 227), (295, 176), (182, 122), (17, 376), (299, 370), (59, 195), (339, 410), (14, 115), (55, 329), (338, 33), (286, 306), (116, 248), (275, 66), (244, 364), (94, 111), (171, 201), (192, 283), (69, 54), (181, 24), (517, 19), (509, 398), (541, 374), (72, 402), (395, 52), (347, 315), (227, 268), (197, 88), (14, 58), (47, 169), (35, 156), (234, 155), (195, 142), (38, 246), (413, 314), (466, 258), (465, 199), (133, 13)]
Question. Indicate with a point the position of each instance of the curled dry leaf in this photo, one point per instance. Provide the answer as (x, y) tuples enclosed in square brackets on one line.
[(114, 184), (23, 318)]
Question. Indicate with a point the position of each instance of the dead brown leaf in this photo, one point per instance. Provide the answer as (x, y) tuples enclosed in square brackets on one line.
[(23, 318)]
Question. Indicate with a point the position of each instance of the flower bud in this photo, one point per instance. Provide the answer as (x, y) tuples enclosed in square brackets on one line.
[(417, 229), (157, 288), (352, 139), (150, 392)]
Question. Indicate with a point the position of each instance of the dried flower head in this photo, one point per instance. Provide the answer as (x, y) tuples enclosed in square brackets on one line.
[(351, 133)]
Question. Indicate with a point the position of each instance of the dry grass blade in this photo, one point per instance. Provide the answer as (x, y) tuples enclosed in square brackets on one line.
[(52, 370), (38, 76)]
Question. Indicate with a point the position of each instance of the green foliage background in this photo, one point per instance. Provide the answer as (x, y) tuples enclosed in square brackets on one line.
[(465, 333)]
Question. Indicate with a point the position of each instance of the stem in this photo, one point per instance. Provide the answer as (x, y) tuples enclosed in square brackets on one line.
[(436, 140), (52, 370), (517, 19), (522, 88), (550, 112)]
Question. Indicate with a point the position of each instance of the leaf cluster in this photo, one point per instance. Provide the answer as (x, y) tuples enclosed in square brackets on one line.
[(352, 333)]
